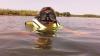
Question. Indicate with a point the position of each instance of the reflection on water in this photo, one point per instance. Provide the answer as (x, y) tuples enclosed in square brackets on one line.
[(45, 40), (44, 43)]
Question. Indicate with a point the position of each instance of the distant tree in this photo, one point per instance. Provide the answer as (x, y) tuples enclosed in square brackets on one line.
[(57, 13), (89, 15), (68, 14), (64, 14), (60, 14)]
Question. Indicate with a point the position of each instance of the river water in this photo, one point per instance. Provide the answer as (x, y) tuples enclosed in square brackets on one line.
[(77, 37)]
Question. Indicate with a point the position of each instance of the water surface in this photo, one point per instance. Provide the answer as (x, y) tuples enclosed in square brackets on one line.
[(78, 37)]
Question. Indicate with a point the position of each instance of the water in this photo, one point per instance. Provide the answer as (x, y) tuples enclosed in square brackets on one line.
[(78, 37)]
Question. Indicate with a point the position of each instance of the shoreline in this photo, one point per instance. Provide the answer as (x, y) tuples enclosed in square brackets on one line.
[(57, 16)]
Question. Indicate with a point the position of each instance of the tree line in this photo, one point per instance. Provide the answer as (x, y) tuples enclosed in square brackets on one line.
[(34, 13), (18, 12), (27, 12)]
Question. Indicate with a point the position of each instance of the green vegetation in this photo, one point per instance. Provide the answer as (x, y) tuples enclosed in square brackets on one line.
[(17, 12), (65, 14), (87, 15), (34, 13), (90, 15), (27, 12)]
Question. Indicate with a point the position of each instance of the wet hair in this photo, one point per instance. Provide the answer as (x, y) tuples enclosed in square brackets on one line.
[(52, 13), (46, 8)]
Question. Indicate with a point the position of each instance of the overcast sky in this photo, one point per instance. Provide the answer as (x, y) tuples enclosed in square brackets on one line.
[(73, 6)]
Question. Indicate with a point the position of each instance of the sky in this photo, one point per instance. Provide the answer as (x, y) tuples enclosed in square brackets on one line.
[(72, 6)]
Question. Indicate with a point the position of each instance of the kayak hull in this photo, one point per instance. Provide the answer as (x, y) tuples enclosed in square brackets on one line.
[(35, 26)]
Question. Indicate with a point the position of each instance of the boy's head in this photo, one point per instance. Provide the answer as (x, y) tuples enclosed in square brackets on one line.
[(47, 15), (47, 10)]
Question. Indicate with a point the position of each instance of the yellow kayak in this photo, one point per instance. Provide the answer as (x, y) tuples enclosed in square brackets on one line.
[(35, 25)]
